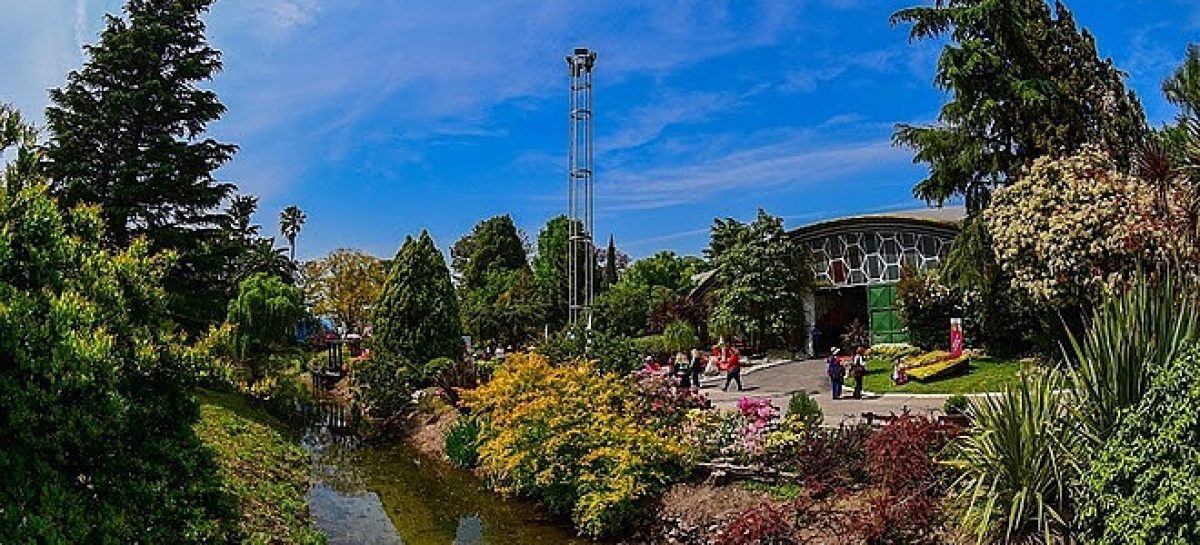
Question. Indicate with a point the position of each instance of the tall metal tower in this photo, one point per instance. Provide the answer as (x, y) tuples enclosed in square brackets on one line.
[(582, 259)]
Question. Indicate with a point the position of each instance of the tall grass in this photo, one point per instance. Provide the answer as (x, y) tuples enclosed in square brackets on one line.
[(1129, 337), (1013, 486), (1028, 446)]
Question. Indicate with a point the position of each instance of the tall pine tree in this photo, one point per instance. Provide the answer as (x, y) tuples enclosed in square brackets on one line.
[(1023, 82), (127, 132), (416, 319)]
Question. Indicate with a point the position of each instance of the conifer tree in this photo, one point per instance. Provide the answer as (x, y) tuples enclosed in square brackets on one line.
[(417, 316), (127, 132), (1023, 82)]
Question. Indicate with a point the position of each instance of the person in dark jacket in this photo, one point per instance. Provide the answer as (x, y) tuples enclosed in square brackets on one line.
[(858, 370), (697, 367), (837, 373)]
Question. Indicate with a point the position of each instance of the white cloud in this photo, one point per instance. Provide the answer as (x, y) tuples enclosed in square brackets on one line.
[(787, 164)]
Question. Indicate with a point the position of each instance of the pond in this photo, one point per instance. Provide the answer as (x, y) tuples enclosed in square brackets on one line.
[(392, 495)]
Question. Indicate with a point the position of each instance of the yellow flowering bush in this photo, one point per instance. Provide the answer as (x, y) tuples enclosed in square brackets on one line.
[(892, 351), (572, 437), (1072, 227)]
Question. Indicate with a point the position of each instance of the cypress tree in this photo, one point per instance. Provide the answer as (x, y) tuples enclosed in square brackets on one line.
[(417, 318), (610, 263), (127, 133)]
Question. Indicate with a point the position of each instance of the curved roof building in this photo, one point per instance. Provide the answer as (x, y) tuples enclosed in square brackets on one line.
[(857, 262)]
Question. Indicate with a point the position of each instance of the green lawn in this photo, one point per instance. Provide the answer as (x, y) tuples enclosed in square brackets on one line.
[(261, 466), (983, 375)]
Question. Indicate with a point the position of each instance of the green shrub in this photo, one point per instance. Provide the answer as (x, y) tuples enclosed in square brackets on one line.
[(680, 336), (571, 437), (1144, 484), (804, 409), (382, 384), (650, 345), (95, 389), (462, 442), (956, 404), (612, 353)]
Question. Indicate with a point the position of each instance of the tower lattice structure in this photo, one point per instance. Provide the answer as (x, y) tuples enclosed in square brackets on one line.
[(581, 244)]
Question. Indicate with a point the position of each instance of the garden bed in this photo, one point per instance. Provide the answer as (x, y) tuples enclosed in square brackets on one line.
[(983, 374)]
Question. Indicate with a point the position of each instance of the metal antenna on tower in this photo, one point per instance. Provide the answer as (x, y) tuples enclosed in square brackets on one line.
[(581, 266)]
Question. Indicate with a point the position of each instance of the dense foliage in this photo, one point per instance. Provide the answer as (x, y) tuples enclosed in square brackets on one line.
[(344, 286), (501, 303), (1023, 83), (1071, 228), (763, 275), (608, 352), (568, 436), (127, 132), (95, 389), (416, 318), (494, 245), (1144, 485), (264, 317)]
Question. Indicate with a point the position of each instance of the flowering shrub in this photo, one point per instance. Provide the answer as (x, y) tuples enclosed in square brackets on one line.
[(572, 437), (738, 435), (1072, 227), (764, 524), (906, 482), (761, 410), (658, 399)]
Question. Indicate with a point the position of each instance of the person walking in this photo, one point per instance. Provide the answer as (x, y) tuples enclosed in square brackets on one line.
[(858, 370), (837, 373), (682, 369), (697, 367), (733, 369)]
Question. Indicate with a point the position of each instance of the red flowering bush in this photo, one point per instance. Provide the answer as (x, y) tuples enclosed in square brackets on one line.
[(764, 524), (906, 481), (827, 460)]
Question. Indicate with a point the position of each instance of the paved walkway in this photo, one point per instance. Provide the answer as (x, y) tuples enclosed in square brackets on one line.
[(779, 381)]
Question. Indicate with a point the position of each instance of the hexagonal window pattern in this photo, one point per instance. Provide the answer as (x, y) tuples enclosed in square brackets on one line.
[(874, 257)]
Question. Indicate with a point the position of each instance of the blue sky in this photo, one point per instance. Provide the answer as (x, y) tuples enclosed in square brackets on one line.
[(381, 117)]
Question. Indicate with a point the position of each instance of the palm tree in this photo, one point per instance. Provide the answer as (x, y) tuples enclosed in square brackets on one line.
[(290, 221)]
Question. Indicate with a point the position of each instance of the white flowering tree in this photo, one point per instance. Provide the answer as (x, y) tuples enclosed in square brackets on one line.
[(1072, 227)]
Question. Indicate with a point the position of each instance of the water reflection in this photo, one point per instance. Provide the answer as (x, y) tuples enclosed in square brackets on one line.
[(391, 495)]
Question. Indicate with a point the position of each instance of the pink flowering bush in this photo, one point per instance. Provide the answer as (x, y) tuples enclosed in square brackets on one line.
[(738, 435), (660, 401)]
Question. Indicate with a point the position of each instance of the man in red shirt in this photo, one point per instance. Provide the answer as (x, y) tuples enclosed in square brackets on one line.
[(733, 369)]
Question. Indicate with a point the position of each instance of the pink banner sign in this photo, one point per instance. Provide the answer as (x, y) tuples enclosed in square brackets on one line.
[(956, 337)]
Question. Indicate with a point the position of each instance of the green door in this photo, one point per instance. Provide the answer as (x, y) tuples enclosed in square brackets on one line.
[(886, 326)]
